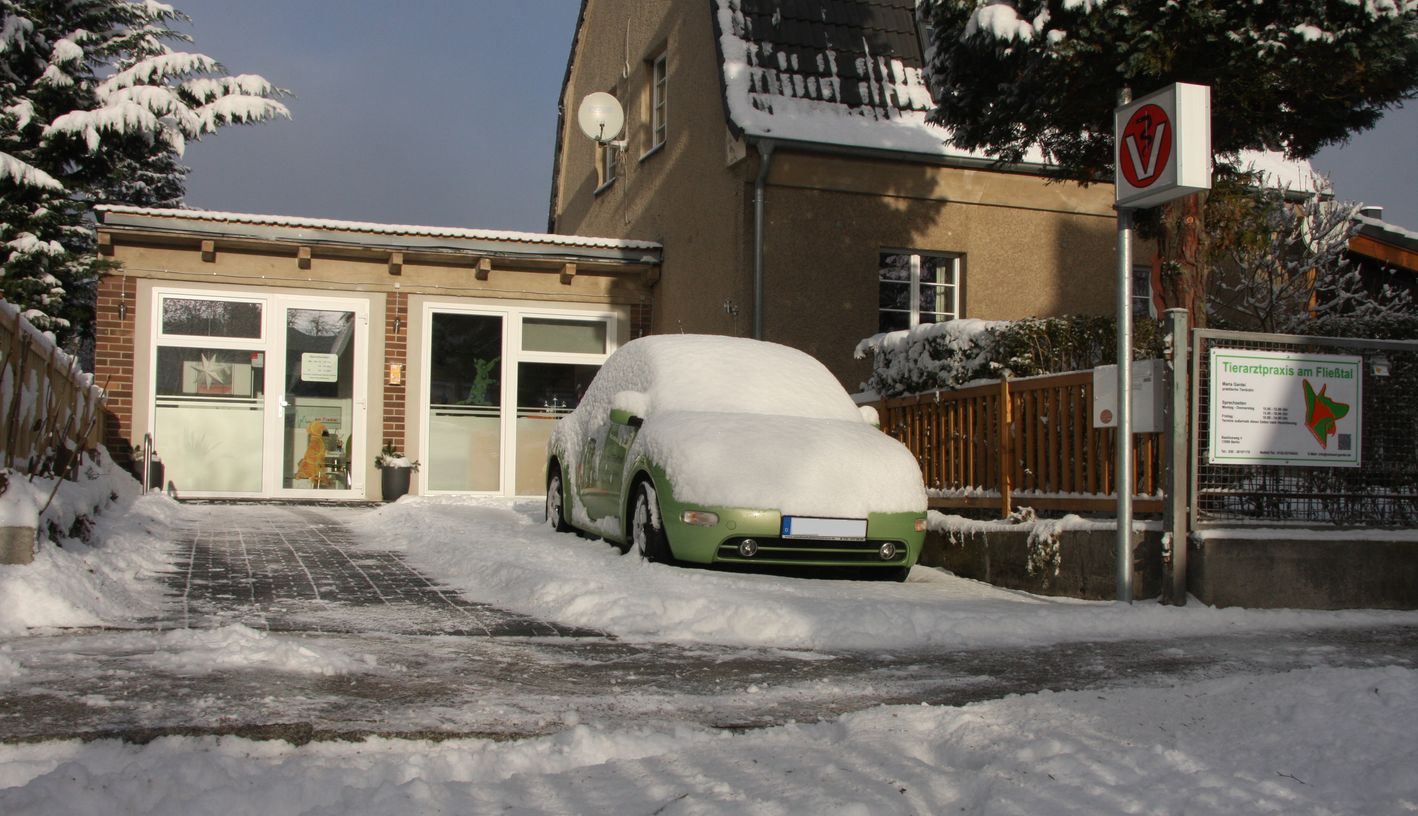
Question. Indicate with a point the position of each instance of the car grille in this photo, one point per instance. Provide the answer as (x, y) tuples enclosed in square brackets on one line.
[(798, 550)]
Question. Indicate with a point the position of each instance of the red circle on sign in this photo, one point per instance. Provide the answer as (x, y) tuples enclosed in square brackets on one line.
[(1146, 145)]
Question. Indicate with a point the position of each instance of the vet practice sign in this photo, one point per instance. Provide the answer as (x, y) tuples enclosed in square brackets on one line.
[(1270, 408), (1162, 146)]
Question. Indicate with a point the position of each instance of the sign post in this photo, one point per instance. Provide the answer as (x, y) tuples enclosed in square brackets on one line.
[(1161, 151)]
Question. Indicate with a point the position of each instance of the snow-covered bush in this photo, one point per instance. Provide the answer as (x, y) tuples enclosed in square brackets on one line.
[(949, 355)]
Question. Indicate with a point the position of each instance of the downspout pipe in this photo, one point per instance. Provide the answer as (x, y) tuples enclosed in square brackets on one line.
[(765, 161)]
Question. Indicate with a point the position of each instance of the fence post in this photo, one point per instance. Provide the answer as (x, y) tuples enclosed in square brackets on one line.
[(1178, 441), (1006, 446)]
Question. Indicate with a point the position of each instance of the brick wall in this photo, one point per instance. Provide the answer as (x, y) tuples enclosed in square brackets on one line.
[(395, 353), (114, 362)]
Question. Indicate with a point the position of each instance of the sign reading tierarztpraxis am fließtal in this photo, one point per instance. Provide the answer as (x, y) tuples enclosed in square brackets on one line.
[(1270, 408)]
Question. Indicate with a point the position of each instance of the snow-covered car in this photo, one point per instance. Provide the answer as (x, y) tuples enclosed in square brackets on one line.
[(714, 449)]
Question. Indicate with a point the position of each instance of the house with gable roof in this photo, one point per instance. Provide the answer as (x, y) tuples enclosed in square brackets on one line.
[(779, 152)]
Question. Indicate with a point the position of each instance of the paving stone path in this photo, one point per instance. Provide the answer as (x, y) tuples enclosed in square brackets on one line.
[(300, 569)]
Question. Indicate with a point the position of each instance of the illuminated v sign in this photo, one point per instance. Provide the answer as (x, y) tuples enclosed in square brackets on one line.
[(1153, 147)]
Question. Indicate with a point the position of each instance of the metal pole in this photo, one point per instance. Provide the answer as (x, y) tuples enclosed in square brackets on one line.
[(1123, 479), (1178, 453)]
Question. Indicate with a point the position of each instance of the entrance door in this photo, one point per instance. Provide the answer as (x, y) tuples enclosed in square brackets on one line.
[(464, 398), (260, 395), (320, 407)]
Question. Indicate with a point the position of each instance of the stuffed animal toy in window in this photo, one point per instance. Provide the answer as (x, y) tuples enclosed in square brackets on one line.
[(312, 464)]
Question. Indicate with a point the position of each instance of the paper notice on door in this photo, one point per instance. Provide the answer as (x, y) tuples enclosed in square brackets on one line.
[(319, 367)]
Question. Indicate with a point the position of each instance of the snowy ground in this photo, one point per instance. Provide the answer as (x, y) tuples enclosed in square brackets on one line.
[(1332, 738)]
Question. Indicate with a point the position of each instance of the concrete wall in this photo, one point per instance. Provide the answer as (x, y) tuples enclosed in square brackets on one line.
[(1082, 565), (1343, 573)]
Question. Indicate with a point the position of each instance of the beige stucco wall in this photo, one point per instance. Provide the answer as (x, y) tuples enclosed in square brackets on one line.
[(684, 195), (1029, 247)]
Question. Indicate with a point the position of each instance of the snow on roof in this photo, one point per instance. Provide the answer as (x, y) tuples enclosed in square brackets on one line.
[(844, 73), (850, 73), (370, 228)]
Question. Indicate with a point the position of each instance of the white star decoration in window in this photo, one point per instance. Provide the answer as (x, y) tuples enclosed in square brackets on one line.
[(213, 372)]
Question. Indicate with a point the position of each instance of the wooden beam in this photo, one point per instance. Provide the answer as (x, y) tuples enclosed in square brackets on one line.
[(484, 269), (396, 263), (302, 257), (105, 244), (209, 251), (568, 273)]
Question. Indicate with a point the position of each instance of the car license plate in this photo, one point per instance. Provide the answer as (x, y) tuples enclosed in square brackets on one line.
[(834, 529)]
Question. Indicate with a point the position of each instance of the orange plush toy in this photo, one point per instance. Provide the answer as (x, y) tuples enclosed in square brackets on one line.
[(312, 465)]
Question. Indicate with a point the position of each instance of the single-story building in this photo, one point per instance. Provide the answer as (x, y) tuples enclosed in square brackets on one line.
[(266, 356)]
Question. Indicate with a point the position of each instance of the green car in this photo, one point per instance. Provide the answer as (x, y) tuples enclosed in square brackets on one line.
[(721, 450)]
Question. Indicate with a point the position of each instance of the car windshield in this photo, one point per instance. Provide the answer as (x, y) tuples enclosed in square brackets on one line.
[(735, 375)]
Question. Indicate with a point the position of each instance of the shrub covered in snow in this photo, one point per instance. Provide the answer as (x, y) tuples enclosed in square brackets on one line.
[(958, 352)]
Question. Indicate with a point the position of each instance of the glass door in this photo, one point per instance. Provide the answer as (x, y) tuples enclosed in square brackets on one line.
[(464, 399), (321, 409)]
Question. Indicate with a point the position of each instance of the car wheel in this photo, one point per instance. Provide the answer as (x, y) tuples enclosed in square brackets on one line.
[(647, 532), (556, 502)]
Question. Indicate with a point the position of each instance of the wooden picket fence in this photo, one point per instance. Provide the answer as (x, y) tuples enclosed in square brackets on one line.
[(1028, 441), (49, 408)]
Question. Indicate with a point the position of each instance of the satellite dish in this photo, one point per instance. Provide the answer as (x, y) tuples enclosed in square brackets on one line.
[(601, 117)]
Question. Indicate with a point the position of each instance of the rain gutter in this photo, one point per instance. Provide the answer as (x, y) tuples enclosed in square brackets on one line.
[(765, 161)]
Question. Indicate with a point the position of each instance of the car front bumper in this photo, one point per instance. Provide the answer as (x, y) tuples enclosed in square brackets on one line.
[(720, 543)]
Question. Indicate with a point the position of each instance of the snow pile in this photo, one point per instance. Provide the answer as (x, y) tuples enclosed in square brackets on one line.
[(111, 577), (740, 423), (200, 651), (1314, 741), (500, 553)]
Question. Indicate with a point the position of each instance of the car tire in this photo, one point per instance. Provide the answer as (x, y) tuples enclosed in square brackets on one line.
[(647, 530), (556, 501)]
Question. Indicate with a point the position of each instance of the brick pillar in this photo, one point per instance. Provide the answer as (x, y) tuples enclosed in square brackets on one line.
[(114, 361), (396, 352)]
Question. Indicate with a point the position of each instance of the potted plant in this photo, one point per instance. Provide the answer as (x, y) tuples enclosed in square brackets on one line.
[(394, 471)]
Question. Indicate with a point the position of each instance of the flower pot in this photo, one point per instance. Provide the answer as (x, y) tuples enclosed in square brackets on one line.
[(394, 482)]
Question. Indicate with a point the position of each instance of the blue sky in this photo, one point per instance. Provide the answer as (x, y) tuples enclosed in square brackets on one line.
[(444, 112)]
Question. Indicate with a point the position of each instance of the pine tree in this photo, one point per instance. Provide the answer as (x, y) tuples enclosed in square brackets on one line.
[(96, 107), (1294, 76)]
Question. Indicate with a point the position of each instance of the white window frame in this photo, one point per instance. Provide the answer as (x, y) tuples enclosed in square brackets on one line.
[(659, 101), (512, 358), (954, 260), (272, 340)]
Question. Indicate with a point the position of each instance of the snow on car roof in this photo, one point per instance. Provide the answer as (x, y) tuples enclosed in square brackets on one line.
[(687, 372)]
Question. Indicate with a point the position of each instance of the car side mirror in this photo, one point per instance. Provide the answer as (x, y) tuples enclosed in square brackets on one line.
[(620, 416), (870, 416)]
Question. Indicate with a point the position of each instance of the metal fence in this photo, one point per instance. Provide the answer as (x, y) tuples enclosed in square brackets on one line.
[(1381, 491)]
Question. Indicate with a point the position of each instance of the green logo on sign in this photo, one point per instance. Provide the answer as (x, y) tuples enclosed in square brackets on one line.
[(1322, 413)]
